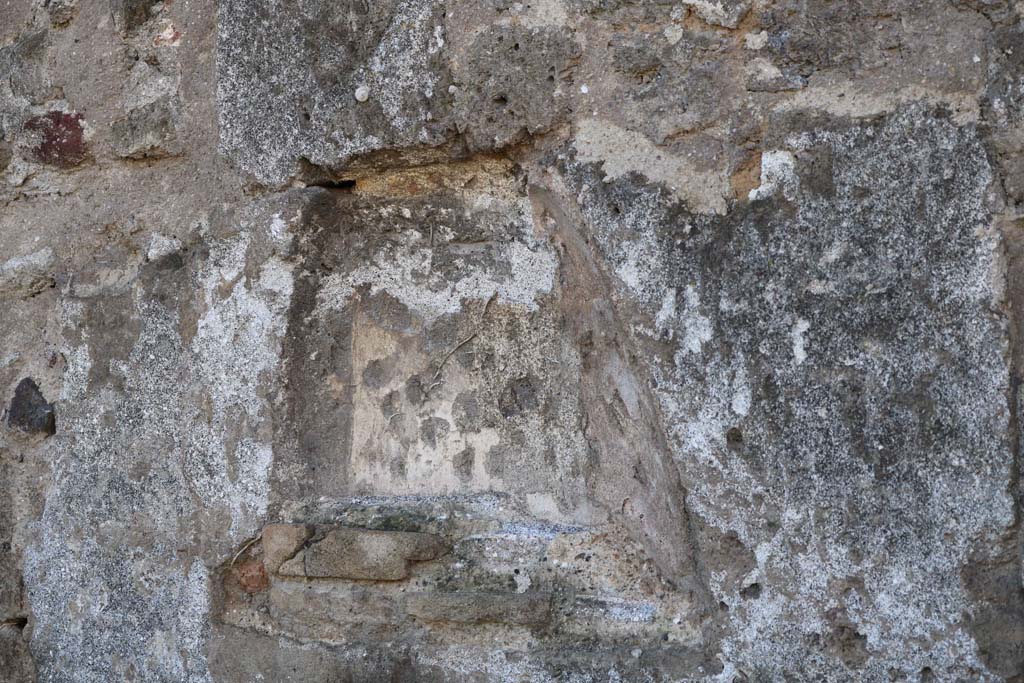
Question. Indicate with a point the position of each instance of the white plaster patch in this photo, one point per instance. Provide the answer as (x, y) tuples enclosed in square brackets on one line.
[(634, 265), (276, 278), (76, 371), (405, 271), (160, 246), (799, 343), (621, 609), (278, 228), (237, 346), (523, 581), (777, 173), (742, 396), (696, 327), (665, 318), (438, 41), (755, 41)]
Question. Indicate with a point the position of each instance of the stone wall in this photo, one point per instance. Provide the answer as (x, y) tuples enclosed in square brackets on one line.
[(567, 341)]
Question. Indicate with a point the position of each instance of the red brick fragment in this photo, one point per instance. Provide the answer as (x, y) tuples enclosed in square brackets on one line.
[(252, 576), (61, 139)]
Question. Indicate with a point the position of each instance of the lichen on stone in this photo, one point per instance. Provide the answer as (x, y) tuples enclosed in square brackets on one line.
[(580, 341)]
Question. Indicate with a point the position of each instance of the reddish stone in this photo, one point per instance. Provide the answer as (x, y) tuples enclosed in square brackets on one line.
[(62, 139), (252, 576)]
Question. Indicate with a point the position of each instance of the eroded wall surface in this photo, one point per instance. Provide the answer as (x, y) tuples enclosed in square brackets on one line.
[(553, 340)]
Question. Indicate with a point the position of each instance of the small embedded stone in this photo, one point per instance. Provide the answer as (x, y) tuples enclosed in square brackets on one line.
[(147, 132), (29, 411), (471, 607), (61, 11), (131, 14), (5, 155), (26, 276), (60, 139), (23, 65)]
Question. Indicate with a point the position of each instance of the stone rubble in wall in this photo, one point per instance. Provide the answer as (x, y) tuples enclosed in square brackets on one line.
[(543, 340)]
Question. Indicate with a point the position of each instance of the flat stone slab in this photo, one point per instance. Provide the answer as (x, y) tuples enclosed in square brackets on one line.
[(281, 542), (364, 554)]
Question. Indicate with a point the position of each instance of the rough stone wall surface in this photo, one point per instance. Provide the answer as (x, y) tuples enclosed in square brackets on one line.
[(542, 341)]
